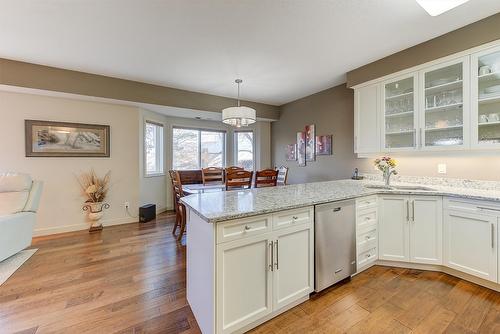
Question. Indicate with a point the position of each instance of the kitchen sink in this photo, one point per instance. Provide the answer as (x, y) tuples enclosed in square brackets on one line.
[(421, 188)]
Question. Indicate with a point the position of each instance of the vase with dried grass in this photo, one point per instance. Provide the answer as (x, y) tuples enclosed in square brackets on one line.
[(94, 189)]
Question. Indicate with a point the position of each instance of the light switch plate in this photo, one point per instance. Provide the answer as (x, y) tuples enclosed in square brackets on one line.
[(441, 168)]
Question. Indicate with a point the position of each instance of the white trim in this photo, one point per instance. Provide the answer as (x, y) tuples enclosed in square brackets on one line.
[(443, 269), (80, 227), (200, 129), (160, 158)]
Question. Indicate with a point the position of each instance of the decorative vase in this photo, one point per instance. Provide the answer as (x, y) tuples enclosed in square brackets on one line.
[(95, 213)]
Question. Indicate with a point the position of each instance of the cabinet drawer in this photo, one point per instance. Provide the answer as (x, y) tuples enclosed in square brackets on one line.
[(367, 241), (367, 257), (366, 203), (293, 217), (243, 228), (365, 219)]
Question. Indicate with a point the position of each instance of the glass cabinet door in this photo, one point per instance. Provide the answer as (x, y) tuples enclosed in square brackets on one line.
[(399, 114), (486, 98), (443, 105)]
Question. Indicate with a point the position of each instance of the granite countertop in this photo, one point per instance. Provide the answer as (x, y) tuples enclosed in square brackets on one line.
[(226, 205)]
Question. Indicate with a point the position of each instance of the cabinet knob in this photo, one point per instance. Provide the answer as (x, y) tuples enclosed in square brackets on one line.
[(368, 255), (247, 227), (295, 217), (368, 237)]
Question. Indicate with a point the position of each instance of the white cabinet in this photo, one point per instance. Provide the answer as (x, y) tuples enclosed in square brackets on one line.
[(244, 282), (485, 97), (470, 242), (366, 113), (444, 120), (410, 229), (366, 232), (449, 103), (393, 228), (257, 275), (400, 113), (426, 229), (293, 272)]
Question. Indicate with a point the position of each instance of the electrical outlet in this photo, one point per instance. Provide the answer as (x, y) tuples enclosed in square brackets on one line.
[(126, 205), (441, 168)]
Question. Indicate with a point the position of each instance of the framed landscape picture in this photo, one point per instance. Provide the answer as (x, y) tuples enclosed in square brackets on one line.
[(310, 143), (301, 149), (324, 145), (60, 139), (291, 152)]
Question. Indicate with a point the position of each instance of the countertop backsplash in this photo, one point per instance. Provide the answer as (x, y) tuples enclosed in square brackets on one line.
[(436, 181)]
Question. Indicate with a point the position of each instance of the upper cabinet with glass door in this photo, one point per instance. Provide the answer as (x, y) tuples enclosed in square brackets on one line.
[(486, 98), (444, 120), (399, 114)]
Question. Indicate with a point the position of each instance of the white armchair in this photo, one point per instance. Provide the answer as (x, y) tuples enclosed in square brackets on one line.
[(19, 199)]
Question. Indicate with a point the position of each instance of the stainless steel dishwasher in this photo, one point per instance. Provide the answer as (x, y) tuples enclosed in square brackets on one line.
[(335, 243)]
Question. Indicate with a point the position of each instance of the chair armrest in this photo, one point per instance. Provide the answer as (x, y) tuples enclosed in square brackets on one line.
[(34, 197)]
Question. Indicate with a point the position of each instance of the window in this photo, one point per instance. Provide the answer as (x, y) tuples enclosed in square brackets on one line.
[(243, 144), (153, 148), (197, 148)]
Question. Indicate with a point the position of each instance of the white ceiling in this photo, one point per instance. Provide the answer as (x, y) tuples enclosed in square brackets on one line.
[(283, 50)]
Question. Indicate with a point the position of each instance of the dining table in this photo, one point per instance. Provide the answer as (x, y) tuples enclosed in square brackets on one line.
[(199, 188)]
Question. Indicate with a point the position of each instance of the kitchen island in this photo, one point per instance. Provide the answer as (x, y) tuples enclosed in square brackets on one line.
[(250, 253)]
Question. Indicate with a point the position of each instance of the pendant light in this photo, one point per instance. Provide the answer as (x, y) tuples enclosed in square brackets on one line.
[(239, 116)]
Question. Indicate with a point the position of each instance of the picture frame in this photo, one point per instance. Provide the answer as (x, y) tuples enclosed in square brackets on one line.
[(301, 149), (324, 145), (64, 139), (291, 152), (310, 142)]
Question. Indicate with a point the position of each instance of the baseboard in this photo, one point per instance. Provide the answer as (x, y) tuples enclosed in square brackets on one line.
[(443, 269), (80, 227), (161, 210)]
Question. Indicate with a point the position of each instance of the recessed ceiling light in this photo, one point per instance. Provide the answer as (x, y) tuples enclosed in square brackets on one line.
[(437, 7)]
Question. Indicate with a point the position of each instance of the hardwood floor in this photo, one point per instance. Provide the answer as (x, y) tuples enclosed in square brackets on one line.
[(131, 279)]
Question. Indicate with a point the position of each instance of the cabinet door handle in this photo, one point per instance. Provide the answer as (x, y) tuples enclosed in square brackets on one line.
[(247, 228), (414, 137), (421, 138), (407, 210), (277, 255), (492, 236), (271, 253), (413, 211)]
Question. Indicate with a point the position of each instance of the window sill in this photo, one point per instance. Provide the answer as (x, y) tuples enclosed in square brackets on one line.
[(154, 175)]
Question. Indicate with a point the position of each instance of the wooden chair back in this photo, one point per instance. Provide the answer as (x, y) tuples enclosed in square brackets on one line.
[(282, 176), (212, 175), (239, 179), (177, 187), (266, 178), (233, 169)]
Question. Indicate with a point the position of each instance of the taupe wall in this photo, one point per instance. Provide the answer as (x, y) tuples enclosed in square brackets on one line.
[(472, 35), (27, 75), (332, 111)]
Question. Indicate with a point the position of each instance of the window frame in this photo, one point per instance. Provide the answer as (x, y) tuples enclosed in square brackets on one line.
[(235, 145), (160, 158), (200, 130)]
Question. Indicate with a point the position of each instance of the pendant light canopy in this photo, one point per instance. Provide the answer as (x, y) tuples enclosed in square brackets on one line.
[(239, 116)]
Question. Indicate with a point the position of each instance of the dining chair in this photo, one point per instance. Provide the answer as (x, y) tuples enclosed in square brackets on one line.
[(233, 169), (180, 209), (266, 178), (212, 175), (282, 176), (239, 179)]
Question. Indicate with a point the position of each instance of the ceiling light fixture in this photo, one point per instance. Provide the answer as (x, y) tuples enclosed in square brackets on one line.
[(239, 116), (437, 7)]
